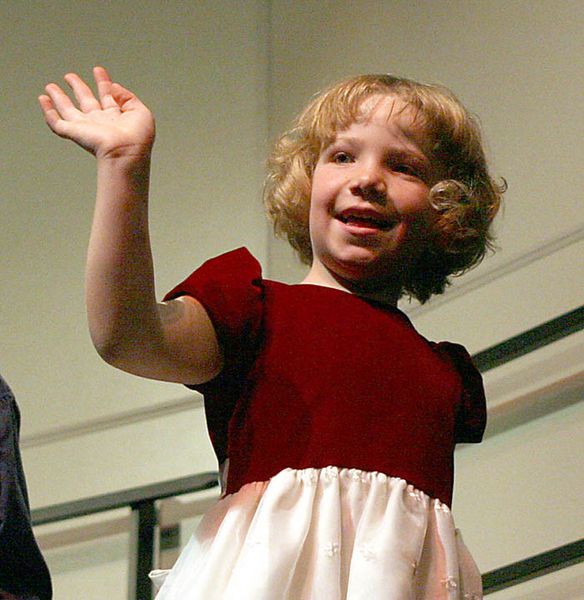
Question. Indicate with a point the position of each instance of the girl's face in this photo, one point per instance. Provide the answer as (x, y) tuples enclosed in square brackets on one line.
[(369, 208)]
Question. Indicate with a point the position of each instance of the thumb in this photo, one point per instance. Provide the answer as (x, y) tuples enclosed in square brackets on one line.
[(124, 98)]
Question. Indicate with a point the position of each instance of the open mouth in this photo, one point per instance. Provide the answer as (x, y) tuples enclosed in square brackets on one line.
[(367, 221)]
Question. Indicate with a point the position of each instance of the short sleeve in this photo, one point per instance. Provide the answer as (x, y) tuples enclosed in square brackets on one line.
[(471, 418), (230, 289)]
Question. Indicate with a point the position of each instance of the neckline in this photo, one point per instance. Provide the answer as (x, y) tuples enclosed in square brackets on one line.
[(385, 306)]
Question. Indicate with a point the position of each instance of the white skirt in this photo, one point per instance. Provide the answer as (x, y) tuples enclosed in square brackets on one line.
[(324, 534)]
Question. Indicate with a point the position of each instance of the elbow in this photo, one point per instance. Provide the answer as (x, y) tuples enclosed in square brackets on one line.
[(121, 355), (112, 348), (109, 349), (129, 354), (115, 340)]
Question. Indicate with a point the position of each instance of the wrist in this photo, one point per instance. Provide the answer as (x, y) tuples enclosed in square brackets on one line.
[(129, 172), (126, 154), (137, 162)]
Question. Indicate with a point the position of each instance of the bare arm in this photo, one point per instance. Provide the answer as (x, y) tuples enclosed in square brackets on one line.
[(172, 341)]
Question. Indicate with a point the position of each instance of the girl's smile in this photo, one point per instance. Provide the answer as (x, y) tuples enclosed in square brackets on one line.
[(369, 209)]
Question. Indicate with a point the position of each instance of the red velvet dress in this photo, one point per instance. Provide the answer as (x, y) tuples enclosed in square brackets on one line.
[(320, 385)]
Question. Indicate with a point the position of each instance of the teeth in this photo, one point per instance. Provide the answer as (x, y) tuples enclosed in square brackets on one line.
[(366, 219)]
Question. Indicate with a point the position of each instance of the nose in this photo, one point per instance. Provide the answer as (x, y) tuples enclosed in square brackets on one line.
[(369, 184)]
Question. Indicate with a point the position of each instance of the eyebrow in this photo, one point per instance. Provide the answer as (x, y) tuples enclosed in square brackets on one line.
[(400, 152), (407, 153)]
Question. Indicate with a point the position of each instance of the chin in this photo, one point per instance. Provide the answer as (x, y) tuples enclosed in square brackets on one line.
[(362, 268)]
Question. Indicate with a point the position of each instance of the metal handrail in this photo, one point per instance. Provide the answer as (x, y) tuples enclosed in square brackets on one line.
[(142, 500), (124, 498), (530, 340), (534, 566)]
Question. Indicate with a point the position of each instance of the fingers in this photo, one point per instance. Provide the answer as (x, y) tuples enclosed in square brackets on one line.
[(125, 99), (60, 111), (49, 111), (60, 102), (83, 93), (100, 74), (111, 94), (104, 88), (53, 116), (111, 118)]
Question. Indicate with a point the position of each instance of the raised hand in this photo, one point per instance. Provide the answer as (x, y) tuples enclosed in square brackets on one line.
[(174, 341), (113, 124)]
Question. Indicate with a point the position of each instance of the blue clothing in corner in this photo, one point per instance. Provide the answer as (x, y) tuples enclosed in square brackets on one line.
[(23, 571)]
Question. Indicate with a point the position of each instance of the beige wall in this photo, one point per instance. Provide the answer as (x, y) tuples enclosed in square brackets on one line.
[(223, 78), (201, 67)]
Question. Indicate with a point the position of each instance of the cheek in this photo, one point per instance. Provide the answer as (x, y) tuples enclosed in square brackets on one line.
[(317, 220), (421, 218), (414, 204), (321, 200)]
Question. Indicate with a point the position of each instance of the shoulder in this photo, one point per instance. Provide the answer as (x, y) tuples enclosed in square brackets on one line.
[(230, 288), (9, 412), (5, 391), (240, 258), (458, 356), (472, 414), (230, 284), (235, 268)]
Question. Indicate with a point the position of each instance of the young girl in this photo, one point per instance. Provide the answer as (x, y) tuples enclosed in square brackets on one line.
[(333, 420)]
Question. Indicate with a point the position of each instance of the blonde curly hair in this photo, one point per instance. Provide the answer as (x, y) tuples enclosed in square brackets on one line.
[(466, 199)]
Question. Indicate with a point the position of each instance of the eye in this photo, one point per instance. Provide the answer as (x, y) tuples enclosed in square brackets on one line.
[(407, 169), (412, 170), (341, 157)]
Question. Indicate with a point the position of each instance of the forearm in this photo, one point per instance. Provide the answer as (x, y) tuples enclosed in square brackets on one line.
[(120, 294), (173, 341)]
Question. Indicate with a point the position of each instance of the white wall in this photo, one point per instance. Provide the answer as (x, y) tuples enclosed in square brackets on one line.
[(201, 67), (222, 78)]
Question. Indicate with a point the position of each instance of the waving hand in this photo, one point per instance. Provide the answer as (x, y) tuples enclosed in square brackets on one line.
[(113, 124)]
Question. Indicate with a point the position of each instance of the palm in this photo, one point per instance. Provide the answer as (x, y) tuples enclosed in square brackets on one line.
[(115, 123)]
